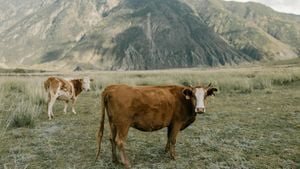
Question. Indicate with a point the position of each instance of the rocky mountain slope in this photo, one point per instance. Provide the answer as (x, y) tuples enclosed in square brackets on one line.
[(252, 28), (142, 34)]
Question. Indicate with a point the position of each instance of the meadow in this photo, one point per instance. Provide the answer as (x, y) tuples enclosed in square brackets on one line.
[(252, 122)]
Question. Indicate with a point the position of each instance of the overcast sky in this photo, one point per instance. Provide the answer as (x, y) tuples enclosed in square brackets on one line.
[(287, 6)]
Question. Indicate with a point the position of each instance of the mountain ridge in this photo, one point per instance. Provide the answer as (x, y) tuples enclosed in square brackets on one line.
[(142, 35)]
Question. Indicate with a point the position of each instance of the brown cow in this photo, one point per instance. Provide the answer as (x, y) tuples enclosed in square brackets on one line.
[(149, 108), (65, 90)]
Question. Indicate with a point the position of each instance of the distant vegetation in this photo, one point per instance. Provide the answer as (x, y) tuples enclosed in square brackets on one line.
[(20, 71)]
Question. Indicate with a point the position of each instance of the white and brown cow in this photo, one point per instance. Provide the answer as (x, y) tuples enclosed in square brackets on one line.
[(65, 90)]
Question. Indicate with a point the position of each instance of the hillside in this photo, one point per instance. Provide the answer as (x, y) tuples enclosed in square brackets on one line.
[(252, 28), (141, 34)]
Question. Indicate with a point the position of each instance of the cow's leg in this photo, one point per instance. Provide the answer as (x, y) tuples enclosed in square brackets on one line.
[(50, 106), (172, 139), (66, 106), (122, 132), (113, 143), (73, 103), (167, 149)]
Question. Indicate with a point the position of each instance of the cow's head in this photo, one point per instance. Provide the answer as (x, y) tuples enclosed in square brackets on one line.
[(197, 95), (86, 83)]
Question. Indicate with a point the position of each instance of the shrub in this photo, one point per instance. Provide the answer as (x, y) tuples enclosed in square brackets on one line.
[(184, 82), (18, 70), (23, 115), (284, 79), (21, 102), (239, 85), (143, 83), (13, 87), (22, 120), (261, 83)]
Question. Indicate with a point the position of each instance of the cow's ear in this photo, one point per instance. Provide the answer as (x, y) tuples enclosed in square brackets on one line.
[(211, 90), (188, 93)]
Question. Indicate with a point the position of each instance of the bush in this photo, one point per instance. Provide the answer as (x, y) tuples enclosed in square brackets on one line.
[(23, 115), (13, 87), (18, 70), (21, 102), (261, 83), (185, 83), (284, 79), (22, 120), (238, 85)]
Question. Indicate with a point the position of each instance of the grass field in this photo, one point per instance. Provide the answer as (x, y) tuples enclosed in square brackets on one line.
[(252, 122)]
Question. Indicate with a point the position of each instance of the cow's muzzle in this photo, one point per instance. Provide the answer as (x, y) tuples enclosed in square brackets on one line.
[(200, 110)]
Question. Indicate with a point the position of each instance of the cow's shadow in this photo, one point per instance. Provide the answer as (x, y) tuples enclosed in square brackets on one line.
[(147, 152)]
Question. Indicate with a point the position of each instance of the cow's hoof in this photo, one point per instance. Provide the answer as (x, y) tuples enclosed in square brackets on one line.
[(127, 166), (116, 161)]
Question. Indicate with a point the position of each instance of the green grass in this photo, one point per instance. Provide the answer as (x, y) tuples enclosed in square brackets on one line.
[(252, 122)]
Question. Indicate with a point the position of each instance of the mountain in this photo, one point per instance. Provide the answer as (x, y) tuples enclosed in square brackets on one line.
[(142, 34), (252, 28), (39, 31)]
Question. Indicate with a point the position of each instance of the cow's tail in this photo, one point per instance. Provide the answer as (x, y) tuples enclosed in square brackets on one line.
[(99, 134), (46, 85)]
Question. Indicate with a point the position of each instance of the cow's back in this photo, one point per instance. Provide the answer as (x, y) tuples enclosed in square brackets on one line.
[(53, 83), (146, 108), (50, 83)]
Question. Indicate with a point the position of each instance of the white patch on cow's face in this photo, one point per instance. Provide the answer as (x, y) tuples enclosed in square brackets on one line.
[(200, 94), (86, 84)]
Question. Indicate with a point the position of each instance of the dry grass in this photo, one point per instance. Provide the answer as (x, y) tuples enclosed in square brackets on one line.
[(253, 122), (22, 100)]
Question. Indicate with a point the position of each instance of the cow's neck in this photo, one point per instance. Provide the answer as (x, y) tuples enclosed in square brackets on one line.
[(77, 86)]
